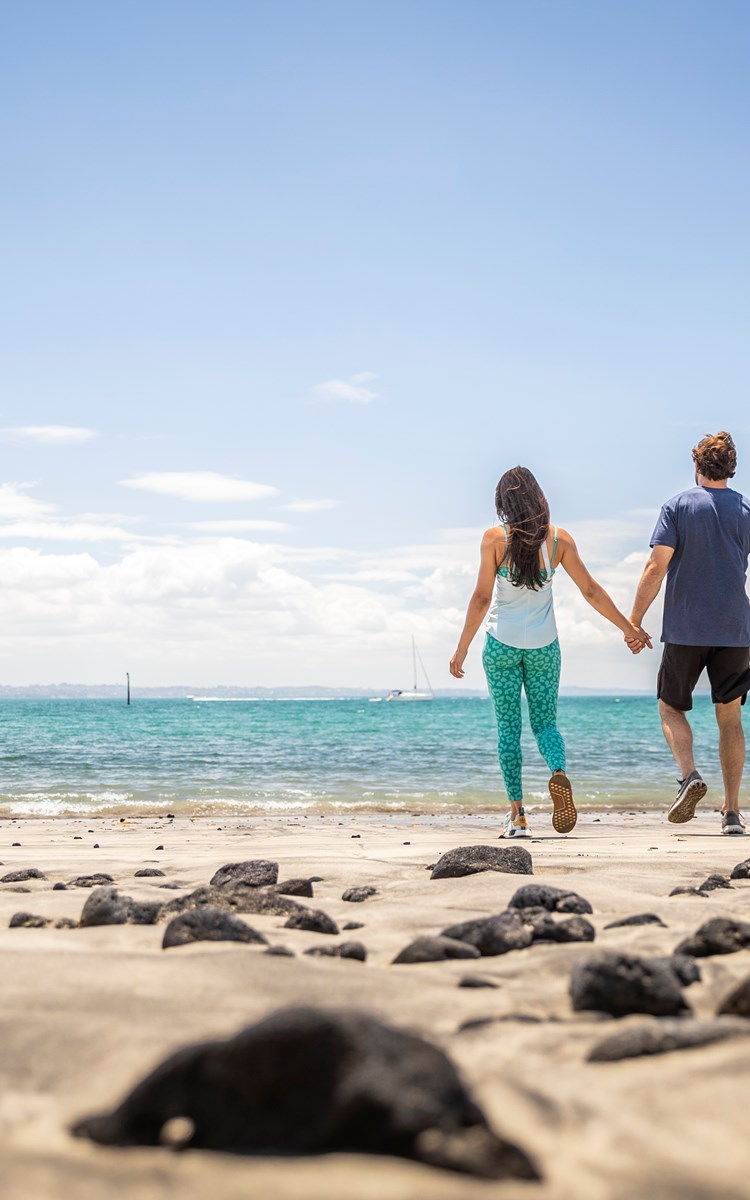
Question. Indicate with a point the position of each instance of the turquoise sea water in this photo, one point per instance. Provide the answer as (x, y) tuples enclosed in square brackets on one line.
[(99, 756)]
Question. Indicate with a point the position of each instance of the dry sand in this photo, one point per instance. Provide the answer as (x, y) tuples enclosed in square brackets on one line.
[(86, 1012)]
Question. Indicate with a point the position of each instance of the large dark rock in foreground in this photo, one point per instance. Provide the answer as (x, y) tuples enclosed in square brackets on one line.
[(256, 872), (742, 870), (304, 1081), (620, 984), (470, 860), (209, 925), (435, 949), (664, 1035), (106, 906), (541, 895), (721, 935), (737, 1003)]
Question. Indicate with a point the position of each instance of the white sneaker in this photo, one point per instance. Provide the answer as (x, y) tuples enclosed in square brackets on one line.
[(516, 826)]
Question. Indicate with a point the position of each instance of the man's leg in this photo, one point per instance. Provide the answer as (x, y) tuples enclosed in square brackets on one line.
[(679, 737), (731, 751)]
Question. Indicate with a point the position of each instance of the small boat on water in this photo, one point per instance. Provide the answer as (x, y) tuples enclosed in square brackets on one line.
[(414, 694)]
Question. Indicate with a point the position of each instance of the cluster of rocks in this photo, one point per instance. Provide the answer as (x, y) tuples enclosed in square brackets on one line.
[(209, 913), (526, 921)]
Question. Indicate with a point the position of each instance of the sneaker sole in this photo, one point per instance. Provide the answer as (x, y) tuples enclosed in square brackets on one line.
[(564, 815), (733, 832), (684, 809)]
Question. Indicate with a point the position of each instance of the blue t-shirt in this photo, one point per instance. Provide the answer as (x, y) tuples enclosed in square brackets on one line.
[(706, 603)]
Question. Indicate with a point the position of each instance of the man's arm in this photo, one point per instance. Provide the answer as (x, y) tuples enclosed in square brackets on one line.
[(651, 581)]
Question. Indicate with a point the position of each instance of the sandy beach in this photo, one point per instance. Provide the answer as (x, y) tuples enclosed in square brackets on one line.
[(86, 1012)]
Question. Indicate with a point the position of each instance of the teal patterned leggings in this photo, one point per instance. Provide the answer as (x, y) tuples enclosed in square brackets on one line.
[(538, 672)]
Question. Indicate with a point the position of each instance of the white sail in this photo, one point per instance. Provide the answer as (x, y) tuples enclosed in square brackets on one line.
[(414, 694)]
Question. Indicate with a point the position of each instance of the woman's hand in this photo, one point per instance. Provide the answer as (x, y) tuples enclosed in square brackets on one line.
[(457, 663), (637, 639)]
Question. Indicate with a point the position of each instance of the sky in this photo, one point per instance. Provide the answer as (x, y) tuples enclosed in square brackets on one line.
[(287, 286)]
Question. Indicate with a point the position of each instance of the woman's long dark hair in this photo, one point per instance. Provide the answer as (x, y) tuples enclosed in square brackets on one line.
[(522, 505)]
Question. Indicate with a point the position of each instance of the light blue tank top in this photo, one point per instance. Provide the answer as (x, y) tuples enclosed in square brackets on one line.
[(520, 616)]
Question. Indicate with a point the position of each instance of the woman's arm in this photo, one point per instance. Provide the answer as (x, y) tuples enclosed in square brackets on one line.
[(595, 594), (493, 540)]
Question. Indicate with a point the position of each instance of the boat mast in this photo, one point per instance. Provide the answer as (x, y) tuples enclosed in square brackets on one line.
[(414, 659)]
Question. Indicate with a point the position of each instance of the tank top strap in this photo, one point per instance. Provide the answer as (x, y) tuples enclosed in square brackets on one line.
[(545, 558), (554, 548)]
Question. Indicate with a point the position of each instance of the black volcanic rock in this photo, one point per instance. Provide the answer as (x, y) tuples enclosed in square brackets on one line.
[(209, 925), (742, 870), (237, 899), (304, 1081), (470, 860), (344, 950), (713, 882), (541, 895), (24, 920), (106, 906), (23, 876), (148, 873), (721, 935), (256, 872), (435, 949), (637, 919), (664, 1035), (312, 920), (99, 879), (493, 935), (737, 1003), (356, 895), (620, 984), (294, 887)]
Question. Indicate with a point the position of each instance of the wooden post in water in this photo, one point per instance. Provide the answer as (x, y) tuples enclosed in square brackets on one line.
[(127, 676)]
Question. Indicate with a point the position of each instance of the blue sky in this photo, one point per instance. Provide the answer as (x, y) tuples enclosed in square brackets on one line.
[(368, 254)]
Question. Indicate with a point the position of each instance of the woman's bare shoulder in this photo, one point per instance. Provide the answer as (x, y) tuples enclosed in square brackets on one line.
[(494, 536)]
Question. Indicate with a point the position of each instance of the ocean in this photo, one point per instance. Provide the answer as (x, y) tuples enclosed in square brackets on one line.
[(92, 757)]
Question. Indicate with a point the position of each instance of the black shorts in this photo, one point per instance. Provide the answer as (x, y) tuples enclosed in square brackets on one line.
[(728, 670)]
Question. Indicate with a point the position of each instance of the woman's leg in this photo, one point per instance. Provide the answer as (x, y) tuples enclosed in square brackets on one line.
[(541, 681), (502, 666)]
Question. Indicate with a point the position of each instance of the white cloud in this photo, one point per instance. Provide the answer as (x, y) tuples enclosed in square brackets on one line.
[(199, 486), (15, 505), (206, 608), (57, 435), (346, 391), (66, 531), (309, 506), (238, 526)]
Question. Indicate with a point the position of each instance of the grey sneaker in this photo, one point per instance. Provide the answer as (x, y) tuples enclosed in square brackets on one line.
[(516, 826), (692, 789), (731, 822)]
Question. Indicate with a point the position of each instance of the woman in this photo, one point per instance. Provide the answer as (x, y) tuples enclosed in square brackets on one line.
[(518, 562)]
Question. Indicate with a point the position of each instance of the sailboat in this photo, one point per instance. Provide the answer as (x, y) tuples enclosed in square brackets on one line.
[(415, 694)]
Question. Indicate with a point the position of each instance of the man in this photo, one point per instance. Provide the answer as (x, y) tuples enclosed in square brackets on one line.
[(701, 543)]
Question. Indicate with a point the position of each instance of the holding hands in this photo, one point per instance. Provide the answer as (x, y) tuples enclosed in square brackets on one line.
[(637, 639)]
